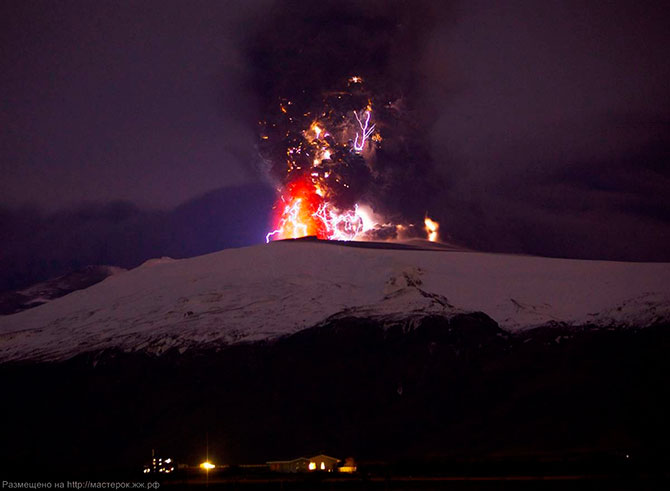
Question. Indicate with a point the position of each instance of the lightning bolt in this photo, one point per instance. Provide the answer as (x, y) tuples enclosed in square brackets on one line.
[(366, 131)]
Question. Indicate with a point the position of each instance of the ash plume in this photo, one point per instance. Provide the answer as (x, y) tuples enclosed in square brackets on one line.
[(333, 64)]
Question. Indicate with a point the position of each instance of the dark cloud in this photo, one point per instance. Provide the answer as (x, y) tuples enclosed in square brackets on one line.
[(303, 57), (35, 245), (612, 208), (310, 46), (552, 131)]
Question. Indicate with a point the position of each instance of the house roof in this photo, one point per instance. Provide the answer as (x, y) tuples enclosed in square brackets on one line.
[(324, 457), (301, 459), (286, 461)]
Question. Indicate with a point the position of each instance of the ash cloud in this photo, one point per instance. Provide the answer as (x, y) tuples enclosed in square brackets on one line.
[(526, 128), (552, 130), (306, 51)]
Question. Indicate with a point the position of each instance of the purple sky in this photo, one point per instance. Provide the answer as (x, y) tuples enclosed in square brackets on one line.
[(141, 101)]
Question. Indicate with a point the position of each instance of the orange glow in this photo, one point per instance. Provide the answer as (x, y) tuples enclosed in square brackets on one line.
[(304, 207), (207, 465), (432, 229), (317, 131), (297, 214), (305, 211)]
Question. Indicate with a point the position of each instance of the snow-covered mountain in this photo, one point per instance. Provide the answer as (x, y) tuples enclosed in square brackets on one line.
[(267, 291)]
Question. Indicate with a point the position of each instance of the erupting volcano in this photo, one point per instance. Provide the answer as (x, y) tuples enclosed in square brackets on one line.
[(341, 124), (327, 169), (327, 152)]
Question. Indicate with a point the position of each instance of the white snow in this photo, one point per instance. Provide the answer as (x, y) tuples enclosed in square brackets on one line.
[(266, 291)]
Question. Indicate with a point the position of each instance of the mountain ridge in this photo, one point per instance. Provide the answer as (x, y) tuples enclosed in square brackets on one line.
[(269, 291)]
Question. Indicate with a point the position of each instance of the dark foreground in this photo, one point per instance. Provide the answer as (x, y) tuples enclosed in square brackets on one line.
[(449, 400), (431, 483)]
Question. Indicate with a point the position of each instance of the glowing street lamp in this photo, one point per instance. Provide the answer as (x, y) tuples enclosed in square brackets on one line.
[(207, 466), (432, 229)]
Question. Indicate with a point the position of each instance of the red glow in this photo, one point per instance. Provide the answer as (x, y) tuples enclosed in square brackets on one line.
[(303, 211), (296, 212), (313, 179)]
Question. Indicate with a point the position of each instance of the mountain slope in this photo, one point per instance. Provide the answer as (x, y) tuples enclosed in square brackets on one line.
[(40, 293), (264, 292)]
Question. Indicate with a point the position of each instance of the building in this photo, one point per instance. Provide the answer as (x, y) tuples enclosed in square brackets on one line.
[(349, 466), (321, 462), (159, 465), (301, 464)]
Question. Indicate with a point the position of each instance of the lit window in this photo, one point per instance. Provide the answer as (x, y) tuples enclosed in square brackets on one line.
[(312, 466)]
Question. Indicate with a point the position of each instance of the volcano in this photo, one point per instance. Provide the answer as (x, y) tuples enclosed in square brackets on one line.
[(378, 350)]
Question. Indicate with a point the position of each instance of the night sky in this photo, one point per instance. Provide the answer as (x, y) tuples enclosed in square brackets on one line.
[(129, 128)]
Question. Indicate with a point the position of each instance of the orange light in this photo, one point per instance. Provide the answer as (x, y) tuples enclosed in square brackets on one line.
[(207, 466), (432, 229), (297, 213)]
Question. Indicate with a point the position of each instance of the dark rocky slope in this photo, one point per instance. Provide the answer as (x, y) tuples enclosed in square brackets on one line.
[(448, 388), (12, 302)]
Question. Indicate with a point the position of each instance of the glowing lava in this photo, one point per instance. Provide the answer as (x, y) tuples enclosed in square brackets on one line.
[(324, 155), (305, 212), (319, 164), (297, 217)]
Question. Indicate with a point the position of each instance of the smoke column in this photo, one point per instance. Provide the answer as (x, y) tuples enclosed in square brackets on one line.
[(339, 133)]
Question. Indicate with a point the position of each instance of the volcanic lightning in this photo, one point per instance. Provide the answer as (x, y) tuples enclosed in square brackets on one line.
[(322, 161), (366, 131), (340, 135), (328, 166)]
